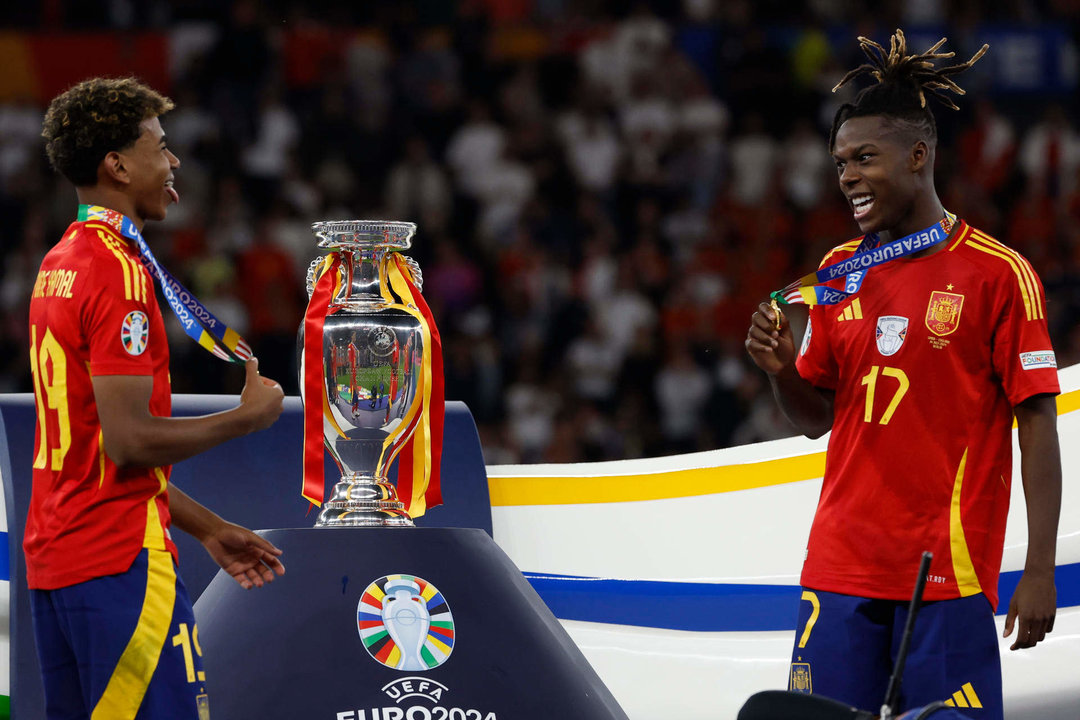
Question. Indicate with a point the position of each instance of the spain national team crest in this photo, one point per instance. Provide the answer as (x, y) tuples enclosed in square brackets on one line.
[(799, 681), (202, 704), (890, 333), (405, 623), (134, 332), (943, 312)]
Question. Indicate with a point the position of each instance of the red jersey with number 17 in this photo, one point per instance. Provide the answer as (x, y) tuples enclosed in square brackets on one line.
[(93, 312), (927, 362)]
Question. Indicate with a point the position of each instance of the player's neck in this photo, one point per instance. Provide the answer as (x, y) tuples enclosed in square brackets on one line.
[(925, 212), (112, 199)]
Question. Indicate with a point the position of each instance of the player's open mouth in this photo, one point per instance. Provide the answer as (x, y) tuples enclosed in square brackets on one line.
[(862, 205), (171, 191)]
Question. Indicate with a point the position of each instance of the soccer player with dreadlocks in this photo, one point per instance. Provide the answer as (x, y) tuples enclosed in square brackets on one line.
[(925, 338)]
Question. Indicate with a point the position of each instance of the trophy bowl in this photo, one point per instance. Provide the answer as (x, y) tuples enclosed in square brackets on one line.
[(372, 353)]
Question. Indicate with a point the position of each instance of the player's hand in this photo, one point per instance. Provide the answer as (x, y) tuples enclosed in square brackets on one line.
[(250, 559), (262, 398), (1035, 604), (771, 350)]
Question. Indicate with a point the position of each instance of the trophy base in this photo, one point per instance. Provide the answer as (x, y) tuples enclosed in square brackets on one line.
[(360, 501), (334, 517)]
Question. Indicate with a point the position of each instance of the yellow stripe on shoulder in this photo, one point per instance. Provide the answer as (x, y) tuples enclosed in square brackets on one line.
[(135, 275), (960, 237), (121, 257), (109, 229), (1025, 275), (849, 245), (1028, 272)]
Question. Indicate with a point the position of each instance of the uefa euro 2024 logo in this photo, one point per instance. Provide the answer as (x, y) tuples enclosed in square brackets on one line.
[(405, 623)]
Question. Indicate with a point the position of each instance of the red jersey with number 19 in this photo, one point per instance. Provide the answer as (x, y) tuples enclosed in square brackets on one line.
[(927, 362), (93, 312)]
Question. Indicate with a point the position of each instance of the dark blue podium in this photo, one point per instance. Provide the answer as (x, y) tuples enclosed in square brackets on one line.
[(297, 642), (308, 645)]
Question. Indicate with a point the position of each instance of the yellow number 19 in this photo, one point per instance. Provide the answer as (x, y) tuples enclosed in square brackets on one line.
[(48, 363), (187, 642)]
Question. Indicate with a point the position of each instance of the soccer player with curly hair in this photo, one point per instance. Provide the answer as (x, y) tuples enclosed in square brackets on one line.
[(925, 338), (113, 624)]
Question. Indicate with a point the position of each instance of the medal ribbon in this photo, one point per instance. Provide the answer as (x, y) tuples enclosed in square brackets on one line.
[(198, 322), (810, 289), (419, 485), (326, 287)]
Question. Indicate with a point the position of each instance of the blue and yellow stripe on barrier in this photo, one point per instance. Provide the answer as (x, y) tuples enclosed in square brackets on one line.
[(714, 607), (528, 490), (666, 484)]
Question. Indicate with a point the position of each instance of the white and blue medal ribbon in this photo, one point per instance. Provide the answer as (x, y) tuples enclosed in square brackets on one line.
[(810, 289), (198, 322)]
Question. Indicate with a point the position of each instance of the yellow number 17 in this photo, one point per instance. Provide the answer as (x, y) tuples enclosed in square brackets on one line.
[(870, 381), (48, 363)]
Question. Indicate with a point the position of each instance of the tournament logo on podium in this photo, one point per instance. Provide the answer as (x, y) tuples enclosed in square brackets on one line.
[(405, 623)]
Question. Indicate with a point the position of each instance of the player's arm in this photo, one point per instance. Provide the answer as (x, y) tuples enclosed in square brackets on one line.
[(250, 559), (134, 437), (808, 407), (1034, 602)]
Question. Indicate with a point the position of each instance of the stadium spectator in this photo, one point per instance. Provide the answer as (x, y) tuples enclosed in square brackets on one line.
[(545, 103)]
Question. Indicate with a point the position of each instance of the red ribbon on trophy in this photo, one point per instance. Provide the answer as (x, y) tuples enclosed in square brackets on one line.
[(419, 485), (326, 287)]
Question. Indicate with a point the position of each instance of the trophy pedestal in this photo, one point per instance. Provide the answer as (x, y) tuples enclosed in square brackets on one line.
[(363, 502), (309, 645), (343, 517)]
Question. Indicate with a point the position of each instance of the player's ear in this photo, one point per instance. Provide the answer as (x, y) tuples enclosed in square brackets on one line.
[(112, 168), (920, 155)]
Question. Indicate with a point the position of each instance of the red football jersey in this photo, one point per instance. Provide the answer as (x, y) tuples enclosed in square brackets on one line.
[(927, 362), (93, 312)]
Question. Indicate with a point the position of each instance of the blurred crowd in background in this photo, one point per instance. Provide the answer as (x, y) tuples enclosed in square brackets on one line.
[(604, 190)]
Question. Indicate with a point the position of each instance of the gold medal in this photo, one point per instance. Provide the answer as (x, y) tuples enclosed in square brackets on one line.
[(778, 315)]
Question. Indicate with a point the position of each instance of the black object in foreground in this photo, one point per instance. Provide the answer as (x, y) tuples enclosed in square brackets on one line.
[(784, 705), (892, 695)]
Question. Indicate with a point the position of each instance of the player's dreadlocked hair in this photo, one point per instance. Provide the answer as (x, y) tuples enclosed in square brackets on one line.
[(903, 81), (94, 118)]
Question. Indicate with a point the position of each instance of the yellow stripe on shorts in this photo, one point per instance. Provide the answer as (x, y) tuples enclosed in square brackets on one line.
[(127, 686)]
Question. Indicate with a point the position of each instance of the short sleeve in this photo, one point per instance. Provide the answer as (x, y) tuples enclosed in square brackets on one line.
[(1022, 354), (116, 317), (815, 360)]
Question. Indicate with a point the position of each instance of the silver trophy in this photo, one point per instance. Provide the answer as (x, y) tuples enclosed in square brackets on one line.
[(372, 353)]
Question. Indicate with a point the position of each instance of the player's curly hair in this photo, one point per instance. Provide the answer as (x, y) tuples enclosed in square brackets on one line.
[(903, 82), (94, 118)]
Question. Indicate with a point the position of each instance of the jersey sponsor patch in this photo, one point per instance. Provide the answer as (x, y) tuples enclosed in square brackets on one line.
[(890, 333), (134, 332), (805, 338), (1038, 359)]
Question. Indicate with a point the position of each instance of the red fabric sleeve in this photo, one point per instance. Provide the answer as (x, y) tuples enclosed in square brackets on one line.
[(1022, 354), (117, 320), (815, 360)]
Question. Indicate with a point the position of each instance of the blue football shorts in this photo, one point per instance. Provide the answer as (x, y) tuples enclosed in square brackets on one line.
[(122, 646), (845, 647)]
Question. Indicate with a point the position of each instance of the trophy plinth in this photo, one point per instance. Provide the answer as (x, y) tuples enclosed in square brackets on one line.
[(358, 501), (372, 354)]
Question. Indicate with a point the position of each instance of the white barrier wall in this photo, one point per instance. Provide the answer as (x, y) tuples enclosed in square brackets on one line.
[(675, 575), (722, 535)]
